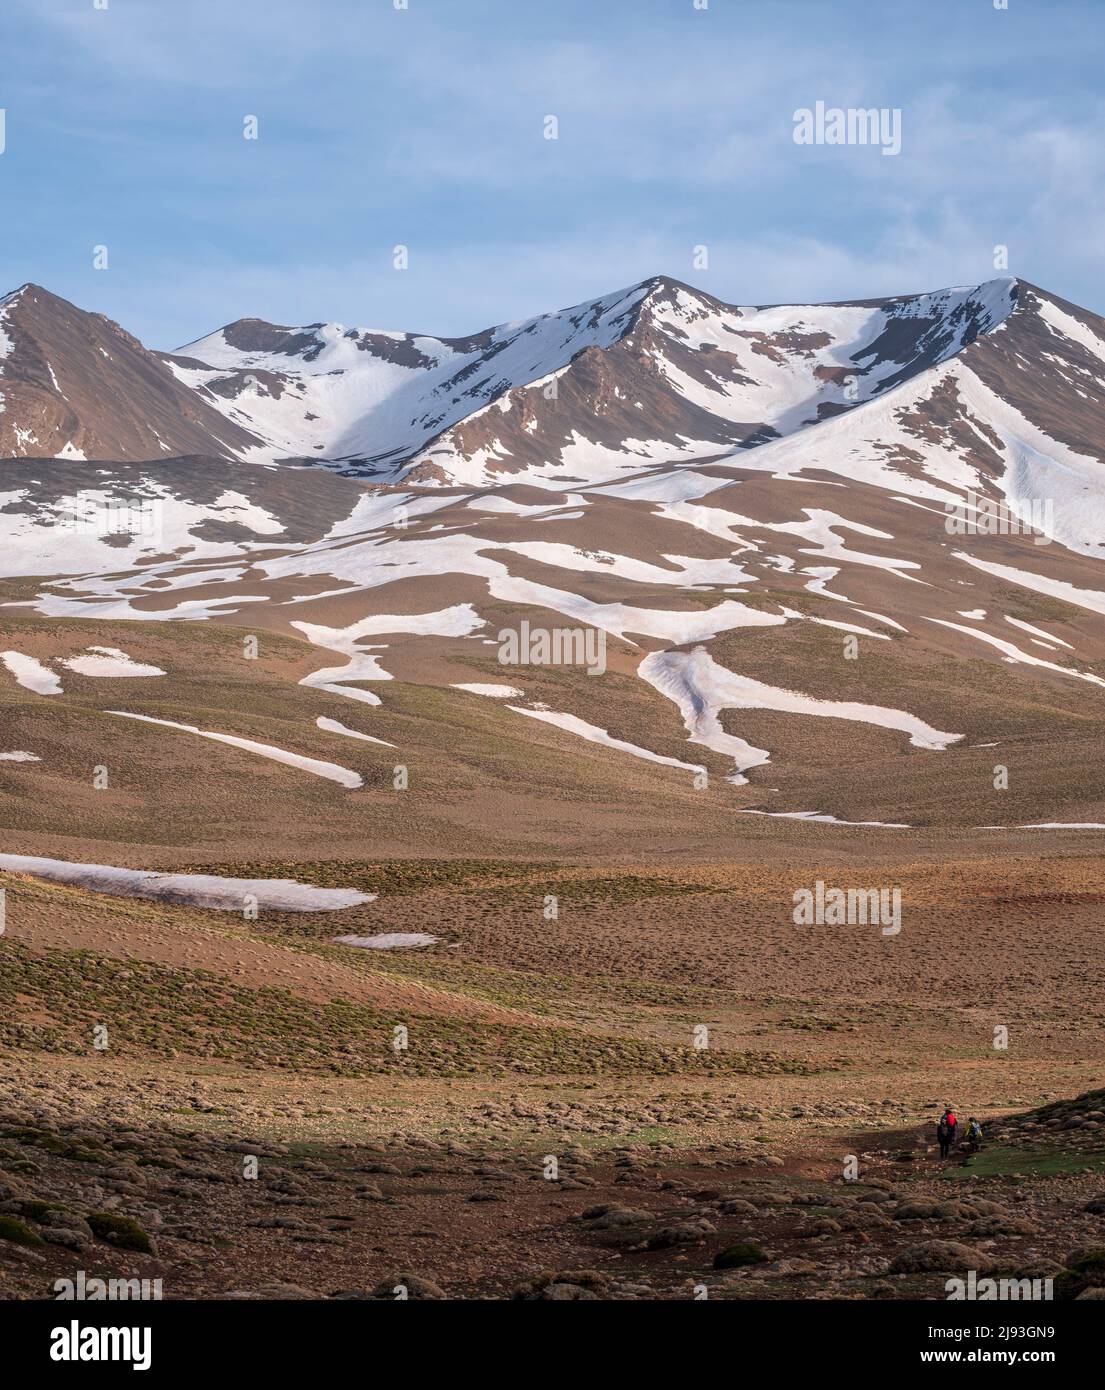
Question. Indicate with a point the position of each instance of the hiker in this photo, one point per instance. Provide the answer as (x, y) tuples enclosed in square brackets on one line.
[(946, 1131), (973, 1137)]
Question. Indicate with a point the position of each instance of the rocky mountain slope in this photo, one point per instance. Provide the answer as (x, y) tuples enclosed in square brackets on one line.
[(76, 385)]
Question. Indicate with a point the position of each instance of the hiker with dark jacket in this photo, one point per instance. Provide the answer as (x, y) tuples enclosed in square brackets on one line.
[(946, 1132)]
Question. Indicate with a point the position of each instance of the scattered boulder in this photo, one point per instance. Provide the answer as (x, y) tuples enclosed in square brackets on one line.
[(1084, 1270), (915, 1209), (736, 1206), (572, 1286), (825, 1226), (990, 1226), (939, 1255), (613, 1217), (680, 1233)]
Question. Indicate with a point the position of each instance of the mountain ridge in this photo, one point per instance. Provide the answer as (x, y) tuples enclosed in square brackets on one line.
[(255, 375)]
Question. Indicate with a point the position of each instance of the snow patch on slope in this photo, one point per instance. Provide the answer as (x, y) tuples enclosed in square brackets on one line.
[(195, 890), (702, 689), (573, 725), (31, 673), (331, 771), (109, 661)]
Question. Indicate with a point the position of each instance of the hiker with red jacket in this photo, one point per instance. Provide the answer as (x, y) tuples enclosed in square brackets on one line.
[(946, 1130)]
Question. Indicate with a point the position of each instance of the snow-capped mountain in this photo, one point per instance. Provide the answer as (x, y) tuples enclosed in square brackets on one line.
[(654, 372), (728, 495), (997, 389), (658, 371), (363, 396), (692, 376)]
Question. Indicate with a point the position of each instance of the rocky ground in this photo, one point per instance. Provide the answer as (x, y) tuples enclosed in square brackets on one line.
[(668, 1091), (490, 1219)]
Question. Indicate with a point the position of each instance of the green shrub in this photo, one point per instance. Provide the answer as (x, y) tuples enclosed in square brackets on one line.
[(122, 1231), (745, 1252), (17, 1233)]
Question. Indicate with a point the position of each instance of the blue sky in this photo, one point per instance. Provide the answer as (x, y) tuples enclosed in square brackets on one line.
[(424, 127)]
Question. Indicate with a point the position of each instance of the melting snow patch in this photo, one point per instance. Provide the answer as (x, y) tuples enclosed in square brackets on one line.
[(1014, 655), (109, 661), (31, 674), (459, 621), (196, 890), (389, 941), (331, 771), (192, 610), (697, 625), (676, 680), (506, 504), (1064, 825), (1067, 326), (879, 617), (1038, 632), (593, 734), (828, 820), (1093, 599), (702, 689), (332, 726), (383, 562), (496, 692), (821, 576), (843, 627), (1039, 466)]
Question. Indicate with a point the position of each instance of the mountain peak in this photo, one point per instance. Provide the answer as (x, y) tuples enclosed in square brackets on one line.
[(30, 293), (76, 385), (664, 291)]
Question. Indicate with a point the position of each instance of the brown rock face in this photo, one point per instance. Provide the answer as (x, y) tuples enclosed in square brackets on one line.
[(74, 383)]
